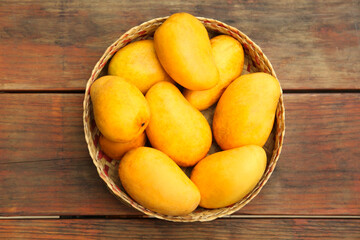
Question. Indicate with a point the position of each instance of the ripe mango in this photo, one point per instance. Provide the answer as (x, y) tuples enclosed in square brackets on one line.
[(116, 150), (229, 59), (224, 178), (176, 127), (120, 110), (183, 47), (137, 63), (245, 112), (157, 183)]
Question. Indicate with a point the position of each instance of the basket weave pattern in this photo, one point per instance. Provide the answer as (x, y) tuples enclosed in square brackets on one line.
[(255, 61)]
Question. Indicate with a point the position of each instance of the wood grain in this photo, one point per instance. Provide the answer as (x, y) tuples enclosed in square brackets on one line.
[(55, 44), (45, 168), (156, 229)]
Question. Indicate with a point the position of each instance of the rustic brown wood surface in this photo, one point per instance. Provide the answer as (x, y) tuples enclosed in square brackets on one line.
[(45, 161), (47, 51), (55, 44), (156, 229)]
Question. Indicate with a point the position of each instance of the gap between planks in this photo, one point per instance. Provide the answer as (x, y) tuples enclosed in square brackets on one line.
[(81, 90), (148, 217)]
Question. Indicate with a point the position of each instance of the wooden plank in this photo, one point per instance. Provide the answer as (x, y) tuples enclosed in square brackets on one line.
[(55, 44), (157, 229), (45, 168), (319, 168)]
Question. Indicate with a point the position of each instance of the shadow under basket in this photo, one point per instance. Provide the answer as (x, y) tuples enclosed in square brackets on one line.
[(255, 61)]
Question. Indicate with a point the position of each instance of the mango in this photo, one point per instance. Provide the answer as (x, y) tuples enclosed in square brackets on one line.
[(245, 112), (224, 178), (229, 59), (152, 179), (120, 110), (116, 150), (137, 63), (176, 127), (183, 47)]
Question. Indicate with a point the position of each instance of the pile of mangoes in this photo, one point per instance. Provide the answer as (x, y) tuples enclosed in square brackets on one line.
[(156, 89)]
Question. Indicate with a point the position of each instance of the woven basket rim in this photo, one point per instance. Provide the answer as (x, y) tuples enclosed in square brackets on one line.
[(249, 47)]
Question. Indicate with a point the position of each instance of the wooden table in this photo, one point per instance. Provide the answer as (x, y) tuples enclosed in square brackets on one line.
[(49, 186)]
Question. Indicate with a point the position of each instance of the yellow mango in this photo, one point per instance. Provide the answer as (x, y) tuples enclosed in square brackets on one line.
[(152, 179), (245, 112), (224, 178), (120, 110), (116, 150), (183, 47), (176, 127), (137, 63), (229, 59)]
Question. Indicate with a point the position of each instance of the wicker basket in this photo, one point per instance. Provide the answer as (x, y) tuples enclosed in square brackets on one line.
[(255, 61)]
